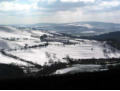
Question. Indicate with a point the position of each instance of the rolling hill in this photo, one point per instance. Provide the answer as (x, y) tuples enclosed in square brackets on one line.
[(36, 48), (79, 28)]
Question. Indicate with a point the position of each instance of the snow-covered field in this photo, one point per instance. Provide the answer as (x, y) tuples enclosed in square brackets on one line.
[(79, 68), (12, 38), (8, 60), (86, 50)]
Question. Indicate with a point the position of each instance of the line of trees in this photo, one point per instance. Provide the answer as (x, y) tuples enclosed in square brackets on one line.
[(92, 61)]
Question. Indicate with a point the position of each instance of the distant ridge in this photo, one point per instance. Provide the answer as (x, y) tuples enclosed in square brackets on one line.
[(108, 36), (80, 27)]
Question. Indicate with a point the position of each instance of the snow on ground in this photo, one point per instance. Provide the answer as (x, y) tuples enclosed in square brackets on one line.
[(40, 33), (11, 37), (84, 50), (36, 55), (29, 42), (7, 44), (8, 60), (79, 68), (55, 43), (11, 32), (4, 44)]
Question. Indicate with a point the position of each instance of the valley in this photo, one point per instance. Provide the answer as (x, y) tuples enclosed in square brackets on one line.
[(37, 50)]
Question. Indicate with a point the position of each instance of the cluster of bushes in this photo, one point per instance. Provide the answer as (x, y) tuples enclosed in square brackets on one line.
[(14, 39), (46, 38), (35, 46), (69, 43), (43, 37), (11, 39), (49, 69)]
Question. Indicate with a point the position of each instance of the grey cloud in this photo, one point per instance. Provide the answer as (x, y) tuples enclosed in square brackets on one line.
[(61, 6)]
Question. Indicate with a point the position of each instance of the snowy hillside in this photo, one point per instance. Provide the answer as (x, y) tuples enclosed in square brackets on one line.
[(83, 50), (11, 37), (31, 47)]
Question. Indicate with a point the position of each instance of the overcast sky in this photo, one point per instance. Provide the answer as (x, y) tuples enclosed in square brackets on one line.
[(58, 11)]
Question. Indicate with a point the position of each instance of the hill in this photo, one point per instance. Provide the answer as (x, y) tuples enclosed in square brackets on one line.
[(79, 28), (52, 52), (108, 36), (112, 38)]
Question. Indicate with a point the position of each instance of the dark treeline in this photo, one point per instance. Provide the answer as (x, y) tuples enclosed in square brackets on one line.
[(27, 47), (35, 46), (93, 61)]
